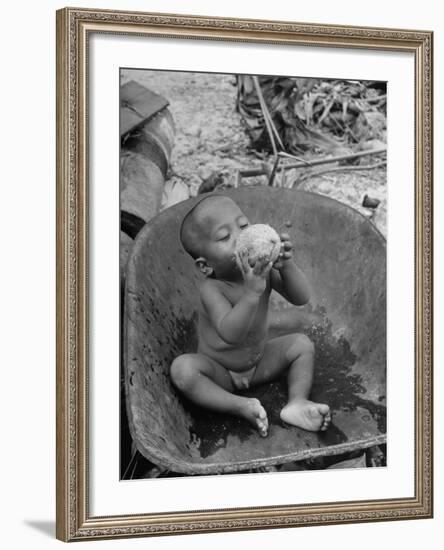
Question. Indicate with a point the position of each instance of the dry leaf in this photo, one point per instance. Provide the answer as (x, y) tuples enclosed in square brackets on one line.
[(175, 191)]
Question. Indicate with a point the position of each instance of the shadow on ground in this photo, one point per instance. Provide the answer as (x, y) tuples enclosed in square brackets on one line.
[(47, 527)]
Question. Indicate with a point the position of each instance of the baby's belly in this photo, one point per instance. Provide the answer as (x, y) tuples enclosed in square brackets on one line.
[(239, 359)]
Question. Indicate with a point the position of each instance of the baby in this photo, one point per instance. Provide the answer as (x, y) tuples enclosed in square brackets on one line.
[(233, 351)]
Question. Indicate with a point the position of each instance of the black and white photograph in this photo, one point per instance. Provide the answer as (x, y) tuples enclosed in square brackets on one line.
[(253, 273), (218, 284)]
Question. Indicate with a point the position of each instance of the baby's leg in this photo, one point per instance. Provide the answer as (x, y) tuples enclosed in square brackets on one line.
[(209, 385), (294, 353)]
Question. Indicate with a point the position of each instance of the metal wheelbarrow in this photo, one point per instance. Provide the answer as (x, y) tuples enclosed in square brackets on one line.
[(344, 257)]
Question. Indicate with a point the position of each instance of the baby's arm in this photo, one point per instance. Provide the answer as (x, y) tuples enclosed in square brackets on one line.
[(287, 278), (233, 323)]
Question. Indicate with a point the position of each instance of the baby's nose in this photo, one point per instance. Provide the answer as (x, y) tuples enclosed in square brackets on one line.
[(235, 238)]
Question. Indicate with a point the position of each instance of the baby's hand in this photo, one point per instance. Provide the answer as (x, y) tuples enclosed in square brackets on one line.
[(255, 273), (286, 252)]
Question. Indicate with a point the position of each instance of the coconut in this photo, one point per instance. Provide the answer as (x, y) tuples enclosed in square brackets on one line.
[(258, 240)]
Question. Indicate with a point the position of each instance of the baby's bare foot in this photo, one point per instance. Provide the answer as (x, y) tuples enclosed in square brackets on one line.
[(307, 415), (254, 412)]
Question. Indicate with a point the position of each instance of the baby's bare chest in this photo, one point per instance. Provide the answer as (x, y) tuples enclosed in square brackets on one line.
[(234, 295)]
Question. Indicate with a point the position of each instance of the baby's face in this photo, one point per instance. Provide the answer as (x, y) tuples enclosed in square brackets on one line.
[(221, 222)]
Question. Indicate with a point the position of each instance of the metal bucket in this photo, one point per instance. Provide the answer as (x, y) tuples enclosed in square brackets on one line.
[(147, 139)]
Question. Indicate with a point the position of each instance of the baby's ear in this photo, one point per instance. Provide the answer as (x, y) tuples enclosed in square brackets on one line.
[(202, 265)]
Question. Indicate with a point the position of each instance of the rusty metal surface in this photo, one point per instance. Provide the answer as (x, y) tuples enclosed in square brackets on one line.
[(141, 185), (138, 104), (147, 139), (344, 257)]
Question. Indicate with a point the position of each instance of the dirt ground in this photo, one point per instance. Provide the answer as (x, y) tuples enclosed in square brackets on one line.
[(210, 139)]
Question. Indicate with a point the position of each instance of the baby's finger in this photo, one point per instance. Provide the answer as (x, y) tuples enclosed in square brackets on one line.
[(287, 245), (259, 265), (267, 268), (278, 261), (285, 237), (243, 255)]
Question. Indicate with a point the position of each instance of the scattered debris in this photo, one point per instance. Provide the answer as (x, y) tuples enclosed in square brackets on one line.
[(303, 178), (370, 202), (174, 191), (211, 137), (216, 179), (311, 114), (375, 457)]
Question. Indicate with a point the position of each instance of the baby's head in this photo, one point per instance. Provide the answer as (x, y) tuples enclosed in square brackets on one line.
[(209, 232)]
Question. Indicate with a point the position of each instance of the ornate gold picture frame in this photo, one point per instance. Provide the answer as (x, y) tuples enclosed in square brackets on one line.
[(75, 519)]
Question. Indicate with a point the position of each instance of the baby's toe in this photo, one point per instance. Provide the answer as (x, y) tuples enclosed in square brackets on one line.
[(263, 428), (326, 422), (263, 423)]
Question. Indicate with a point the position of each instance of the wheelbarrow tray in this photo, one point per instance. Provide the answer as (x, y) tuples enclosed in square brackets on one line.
[(344, 258)]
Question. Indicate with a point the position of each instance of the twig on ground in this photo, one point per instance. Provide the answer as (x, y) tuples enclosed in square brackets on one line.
[(273, 172), (133, 471), (271, 128), (376, 99), (260, 171), (133, 456), (338, 158), (305, 177), (266, 120), (287, 155)]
